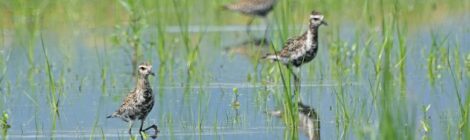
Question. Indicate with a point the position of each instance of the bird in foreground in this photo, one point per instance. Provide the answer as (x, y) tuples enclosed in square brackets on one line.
[(253, 8), (138, 104), (309, 121), (302, 49)]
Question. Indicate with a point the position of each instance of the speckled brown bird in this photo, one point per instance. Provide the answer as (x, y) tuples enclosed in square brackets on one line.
[(253, 8), (138, 104), (302, 49)]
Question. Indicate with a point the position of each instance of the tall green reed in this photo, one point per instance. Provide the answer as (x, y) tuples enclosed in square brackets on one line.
[(133, 32), (165, 53), (289, 97), (393, 112), (400, 29), (53, 97), (103, 64), (340, 70), (30, 27), (463, 124), (183, 20), (464, 120), (462, 100), (436, 58), (194, 68)]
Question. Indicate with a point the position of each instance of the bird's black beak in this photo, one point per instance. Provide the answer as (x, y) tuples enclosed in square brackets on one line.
[(151, 73), (324, 23)]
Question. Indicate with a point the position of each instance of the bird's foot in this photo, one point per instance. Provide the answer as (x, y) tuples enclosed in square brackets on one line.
[(154, 136)]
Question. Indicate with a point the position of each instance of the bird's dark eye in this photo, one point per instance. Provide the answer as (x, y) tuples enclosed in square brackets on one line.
[(142, 68), (316, 18)]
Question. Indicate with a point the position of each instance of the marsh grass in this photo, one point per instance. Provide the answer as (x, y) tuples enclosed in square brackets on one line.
[(133, 32), (4, 126), (103, 64), (464, 116), (463, 125), (378, 55), (426, 123), (54, 96), (287, 98), (436, 58), (191, 42), (399, 29), (165, 53), (463, 102), (3, 64), (97, 120), (394, 112)]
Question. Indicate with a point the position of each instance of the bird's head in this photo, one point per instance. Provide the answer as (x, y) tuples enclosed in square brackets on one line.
[(145, 70), (317, 19)]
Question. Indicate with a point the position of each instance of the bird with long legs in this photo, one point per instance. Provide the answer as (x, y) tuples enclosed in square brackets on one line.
[(300, 50), (138, 104)]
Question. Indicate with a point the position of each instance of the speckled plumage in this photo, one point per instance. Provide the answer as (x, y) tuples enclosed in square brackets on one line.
[(302, 49), (138, 104)]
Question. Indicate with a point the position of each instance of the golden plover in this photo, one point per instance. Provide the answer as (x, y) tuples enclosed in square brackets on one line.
[(302, 49), (138, 104)]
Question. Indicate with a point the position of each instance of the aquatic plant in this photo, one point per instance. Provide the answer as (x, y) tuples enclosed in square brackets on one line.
[(4, 124)]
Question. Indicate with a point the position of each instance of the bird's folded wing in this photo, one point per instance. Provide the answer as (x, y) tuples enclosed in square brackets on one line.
[(291, 46)]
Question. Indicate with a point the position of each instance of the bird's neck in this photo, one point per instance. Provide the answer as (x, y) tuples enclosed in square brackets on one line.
[(311, 36), (312, 33), (142, 82)]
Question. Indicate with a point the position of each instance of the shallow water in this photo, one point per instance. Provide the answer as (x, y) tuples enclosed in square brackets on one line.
[(199, 106)]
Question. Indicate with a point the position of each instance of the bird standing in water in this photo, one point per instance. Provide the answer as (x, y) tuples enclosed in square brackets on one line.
[(253, 8), (300, 50), (138, 104)]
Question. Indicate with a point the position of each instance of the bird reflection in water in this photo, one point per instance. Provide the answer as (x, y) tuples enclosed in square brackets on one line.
[(309, 122)]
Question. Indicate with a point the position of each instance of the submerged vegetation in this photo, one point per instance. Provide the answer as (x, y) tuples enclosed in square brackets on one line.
[(4, 124), (386, 69)]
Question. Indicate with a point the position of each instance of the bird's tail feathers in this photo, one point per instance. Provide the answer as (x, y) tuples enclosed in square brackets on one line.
[(112, 115), (272, 57)]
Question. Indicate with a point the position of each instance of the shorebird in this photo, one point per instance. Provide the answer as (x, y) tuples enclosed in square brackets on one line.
[(302, 49), (138, 104), (253, 8)]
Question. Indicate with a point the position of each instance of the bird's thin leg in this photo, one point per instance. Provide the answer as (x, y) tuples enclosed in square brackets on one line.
[(152, 126), (248, 25), (140, 129), (155, 128), (131, 123), (297, 82), (295, 71), (141, 125)]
